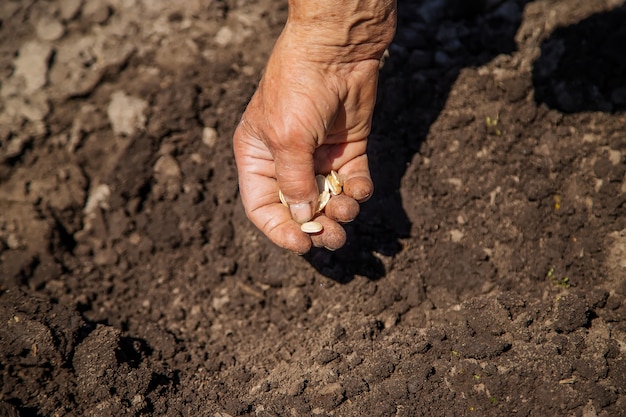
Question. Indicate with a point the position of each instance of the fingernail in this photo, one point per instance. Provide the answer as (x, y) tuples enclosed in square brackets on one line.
[(301, 212)]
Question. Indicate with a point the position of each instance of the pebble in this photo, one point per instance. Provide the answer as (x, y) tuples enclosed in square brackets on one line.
[(456, 235), (224, 36), (126, 113), (209, 136), (12, 241)]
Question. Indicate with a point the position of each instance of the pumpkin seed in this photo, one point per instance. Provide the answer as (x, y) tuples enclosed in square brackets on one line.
[(311, 227), (333, 183), (327, 186), (322, 200), (282, 198)]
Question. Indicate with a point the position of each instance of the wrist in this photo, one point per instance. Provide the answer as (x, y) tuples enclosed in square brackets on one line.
[(354, 30)]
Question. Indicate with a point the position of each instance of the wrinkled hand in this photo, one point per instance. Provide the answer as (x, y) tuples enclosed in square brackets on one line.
[(310, 114)]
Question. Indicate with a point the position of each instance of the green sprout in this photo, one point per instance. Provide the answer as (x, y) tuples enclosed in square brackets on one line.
[(558, 282), (563, 282), (493, 124)]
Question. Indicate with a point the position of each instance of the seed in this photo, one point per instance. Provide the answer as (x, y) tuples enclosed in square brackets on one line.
[(311, 227), (327, 186), (282, 198), (322, 200), (333, 183)]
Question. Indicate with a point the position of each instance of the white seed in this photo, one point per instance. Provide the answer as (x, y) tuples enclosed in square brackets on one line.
[(282, 198), (311, 227), (327, 186), (333, 184), (323, 200)]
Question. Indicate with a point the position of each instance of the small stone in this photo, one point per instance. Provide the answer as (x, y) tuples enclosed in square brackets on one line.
[(224, 36), (218, 303), (456, 235), (13, 242), (209, 136), (134, 238)]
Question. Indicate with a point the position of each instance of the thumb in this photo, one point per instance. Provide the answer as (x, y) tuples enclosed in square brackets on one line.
[(295, 172)]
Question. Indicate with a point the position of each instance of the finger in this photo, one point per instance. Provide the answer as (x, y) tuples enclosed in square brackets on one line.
[(270, 216), (255, 168), (275, 222), (331, 156), (342, 208), (259, 194), (357, 182), (332, 237), (295, 172)]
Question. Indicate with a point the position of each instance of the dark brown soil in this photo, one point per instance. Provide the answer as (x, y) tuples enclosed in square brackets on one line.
[(486, 277)]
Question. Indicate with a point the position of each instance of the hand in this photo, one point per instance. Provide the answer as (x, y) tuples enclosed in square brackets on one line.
[(310, 114)]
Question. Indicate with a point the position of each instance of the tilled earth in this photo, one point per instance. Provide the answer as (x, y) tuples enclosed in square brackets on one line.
[(487, 276)]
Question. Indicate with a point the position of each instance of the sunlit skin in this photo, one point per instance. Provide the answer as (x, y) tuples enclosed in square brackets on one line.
[(312, 114)]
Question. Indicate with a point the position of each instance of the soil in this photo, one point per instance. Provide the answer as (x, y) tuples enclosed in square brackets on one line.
[(487, 276)]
